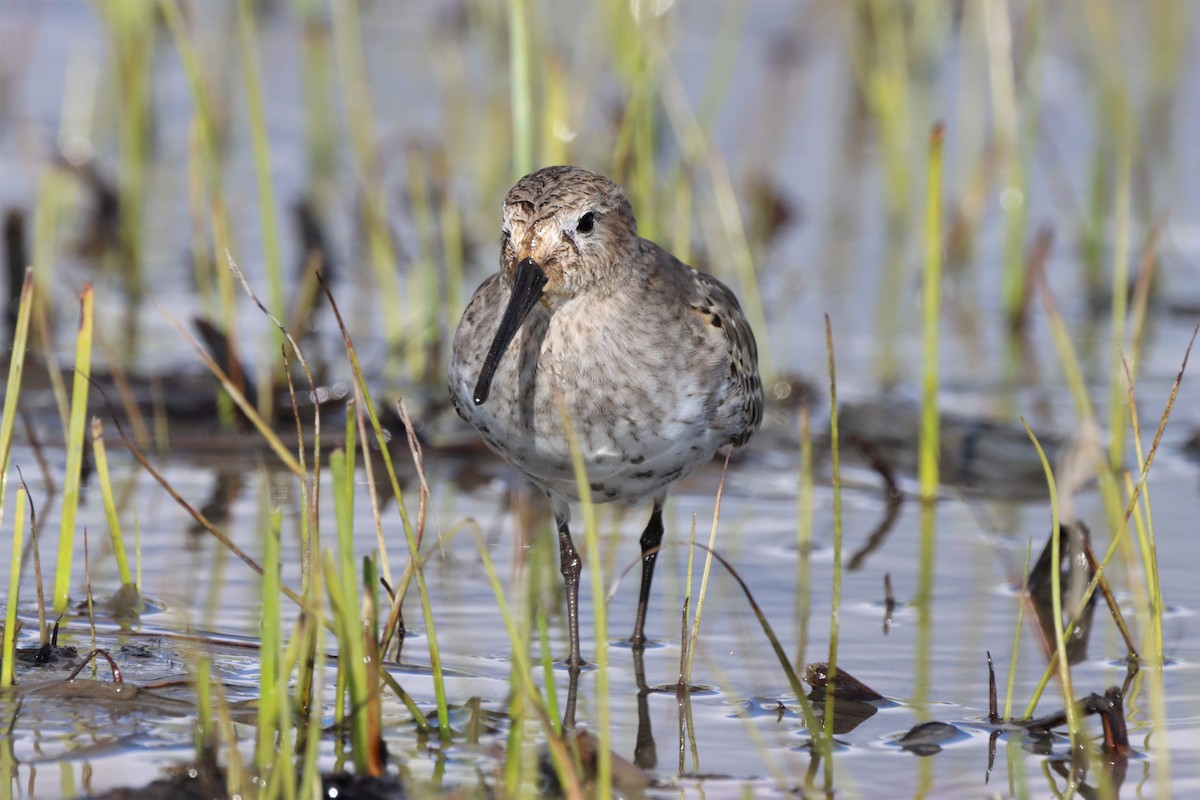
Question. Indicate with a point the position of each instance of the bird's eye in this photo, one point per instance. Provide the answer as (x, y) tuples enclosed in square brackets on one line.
[(586, 222)]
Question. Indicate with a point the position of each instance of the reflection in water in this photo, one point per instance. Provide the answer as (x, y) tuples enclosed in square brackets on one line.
[(927, 738), (855, 701), (1076, 573), (892, 498), (225, 491), (980, 455), (645, 751), (226, 357)]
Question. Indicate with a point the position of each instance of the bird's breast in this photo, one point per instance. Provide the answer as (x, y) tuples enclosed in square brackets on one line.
[(640, 406)]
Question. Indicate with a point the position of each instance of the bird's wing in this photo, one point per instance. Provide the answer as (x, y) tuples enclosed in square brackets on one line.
[(719, 308)]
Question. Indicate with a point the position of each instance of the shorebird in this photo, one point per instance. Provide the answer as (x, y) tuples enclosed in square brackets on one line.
[(652, 362)]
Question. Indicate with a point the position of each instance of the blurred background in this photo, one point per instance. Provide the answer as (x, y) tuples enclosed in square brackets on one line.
[(781, 146)]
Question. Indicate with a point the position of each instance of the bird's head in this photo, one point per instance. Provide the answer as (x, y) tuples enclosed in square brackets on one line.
[(566, 231), (576, 226)]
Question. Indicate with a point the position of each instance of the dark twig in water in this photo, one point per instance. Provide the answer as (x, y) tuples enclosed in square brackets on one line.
[(1109, 706), (112, 665), (993, 708), (889, 603), (991, 761), (87, 589), (1162, 424), (1114, 607)]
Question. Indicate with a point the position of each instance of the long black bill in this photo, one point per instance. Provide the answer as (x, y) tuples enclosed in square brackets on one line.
[(528, 282)]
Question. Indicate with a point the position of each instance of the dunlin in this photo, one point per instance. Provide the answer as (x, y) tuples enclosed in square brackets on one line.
[(653, 362)]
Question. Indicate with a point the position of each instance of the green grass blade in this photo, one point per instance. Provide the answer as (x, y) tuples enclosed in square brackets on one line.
[(520, 87), (45, 225), (563, 765), (708, 560), (352, 70), (1060, 647), (685, 643), (110, 506), (599, 610), (310, 778), (1122, 220), (272, 261), (344, 622), (543, 630), (836, 596), (260, 425), (205, 733), (12, 389), (271, 642), (931, 314), (343, 588), (413, 568), (131, 26), (75, 439), (206, 132), (1012, 666), (804, 535), (1120, 533), (14, 581)]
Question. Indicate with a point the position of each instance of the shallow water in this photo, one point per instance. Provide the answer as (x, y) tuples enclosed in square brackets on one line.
[(799, 124)]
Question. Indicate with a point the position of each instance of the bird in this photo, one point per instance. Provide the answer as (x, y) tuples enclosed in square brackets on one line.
[(589, 328)]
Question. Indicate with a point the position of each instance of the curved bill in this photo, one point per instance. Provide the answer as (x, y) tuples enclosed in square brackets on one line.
[(528, 282)]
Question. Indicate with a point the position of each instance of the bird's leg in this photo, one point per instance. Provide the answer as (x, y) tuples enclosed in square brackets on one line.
[(650, 541), (572, 694), (571, 568)]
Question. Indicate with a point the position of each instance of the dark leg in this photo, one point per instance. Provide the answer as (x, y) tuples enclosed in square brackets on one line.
[(571, 567), (572, 694), (651, 539)]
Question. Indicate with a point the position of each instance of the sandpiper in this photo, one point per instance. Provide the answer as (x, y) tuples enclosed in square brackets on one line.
[(652, 361)]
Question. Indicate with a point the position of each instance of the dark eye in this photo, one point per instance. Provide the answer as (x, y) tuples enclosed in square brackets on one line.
[(586, 222)]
